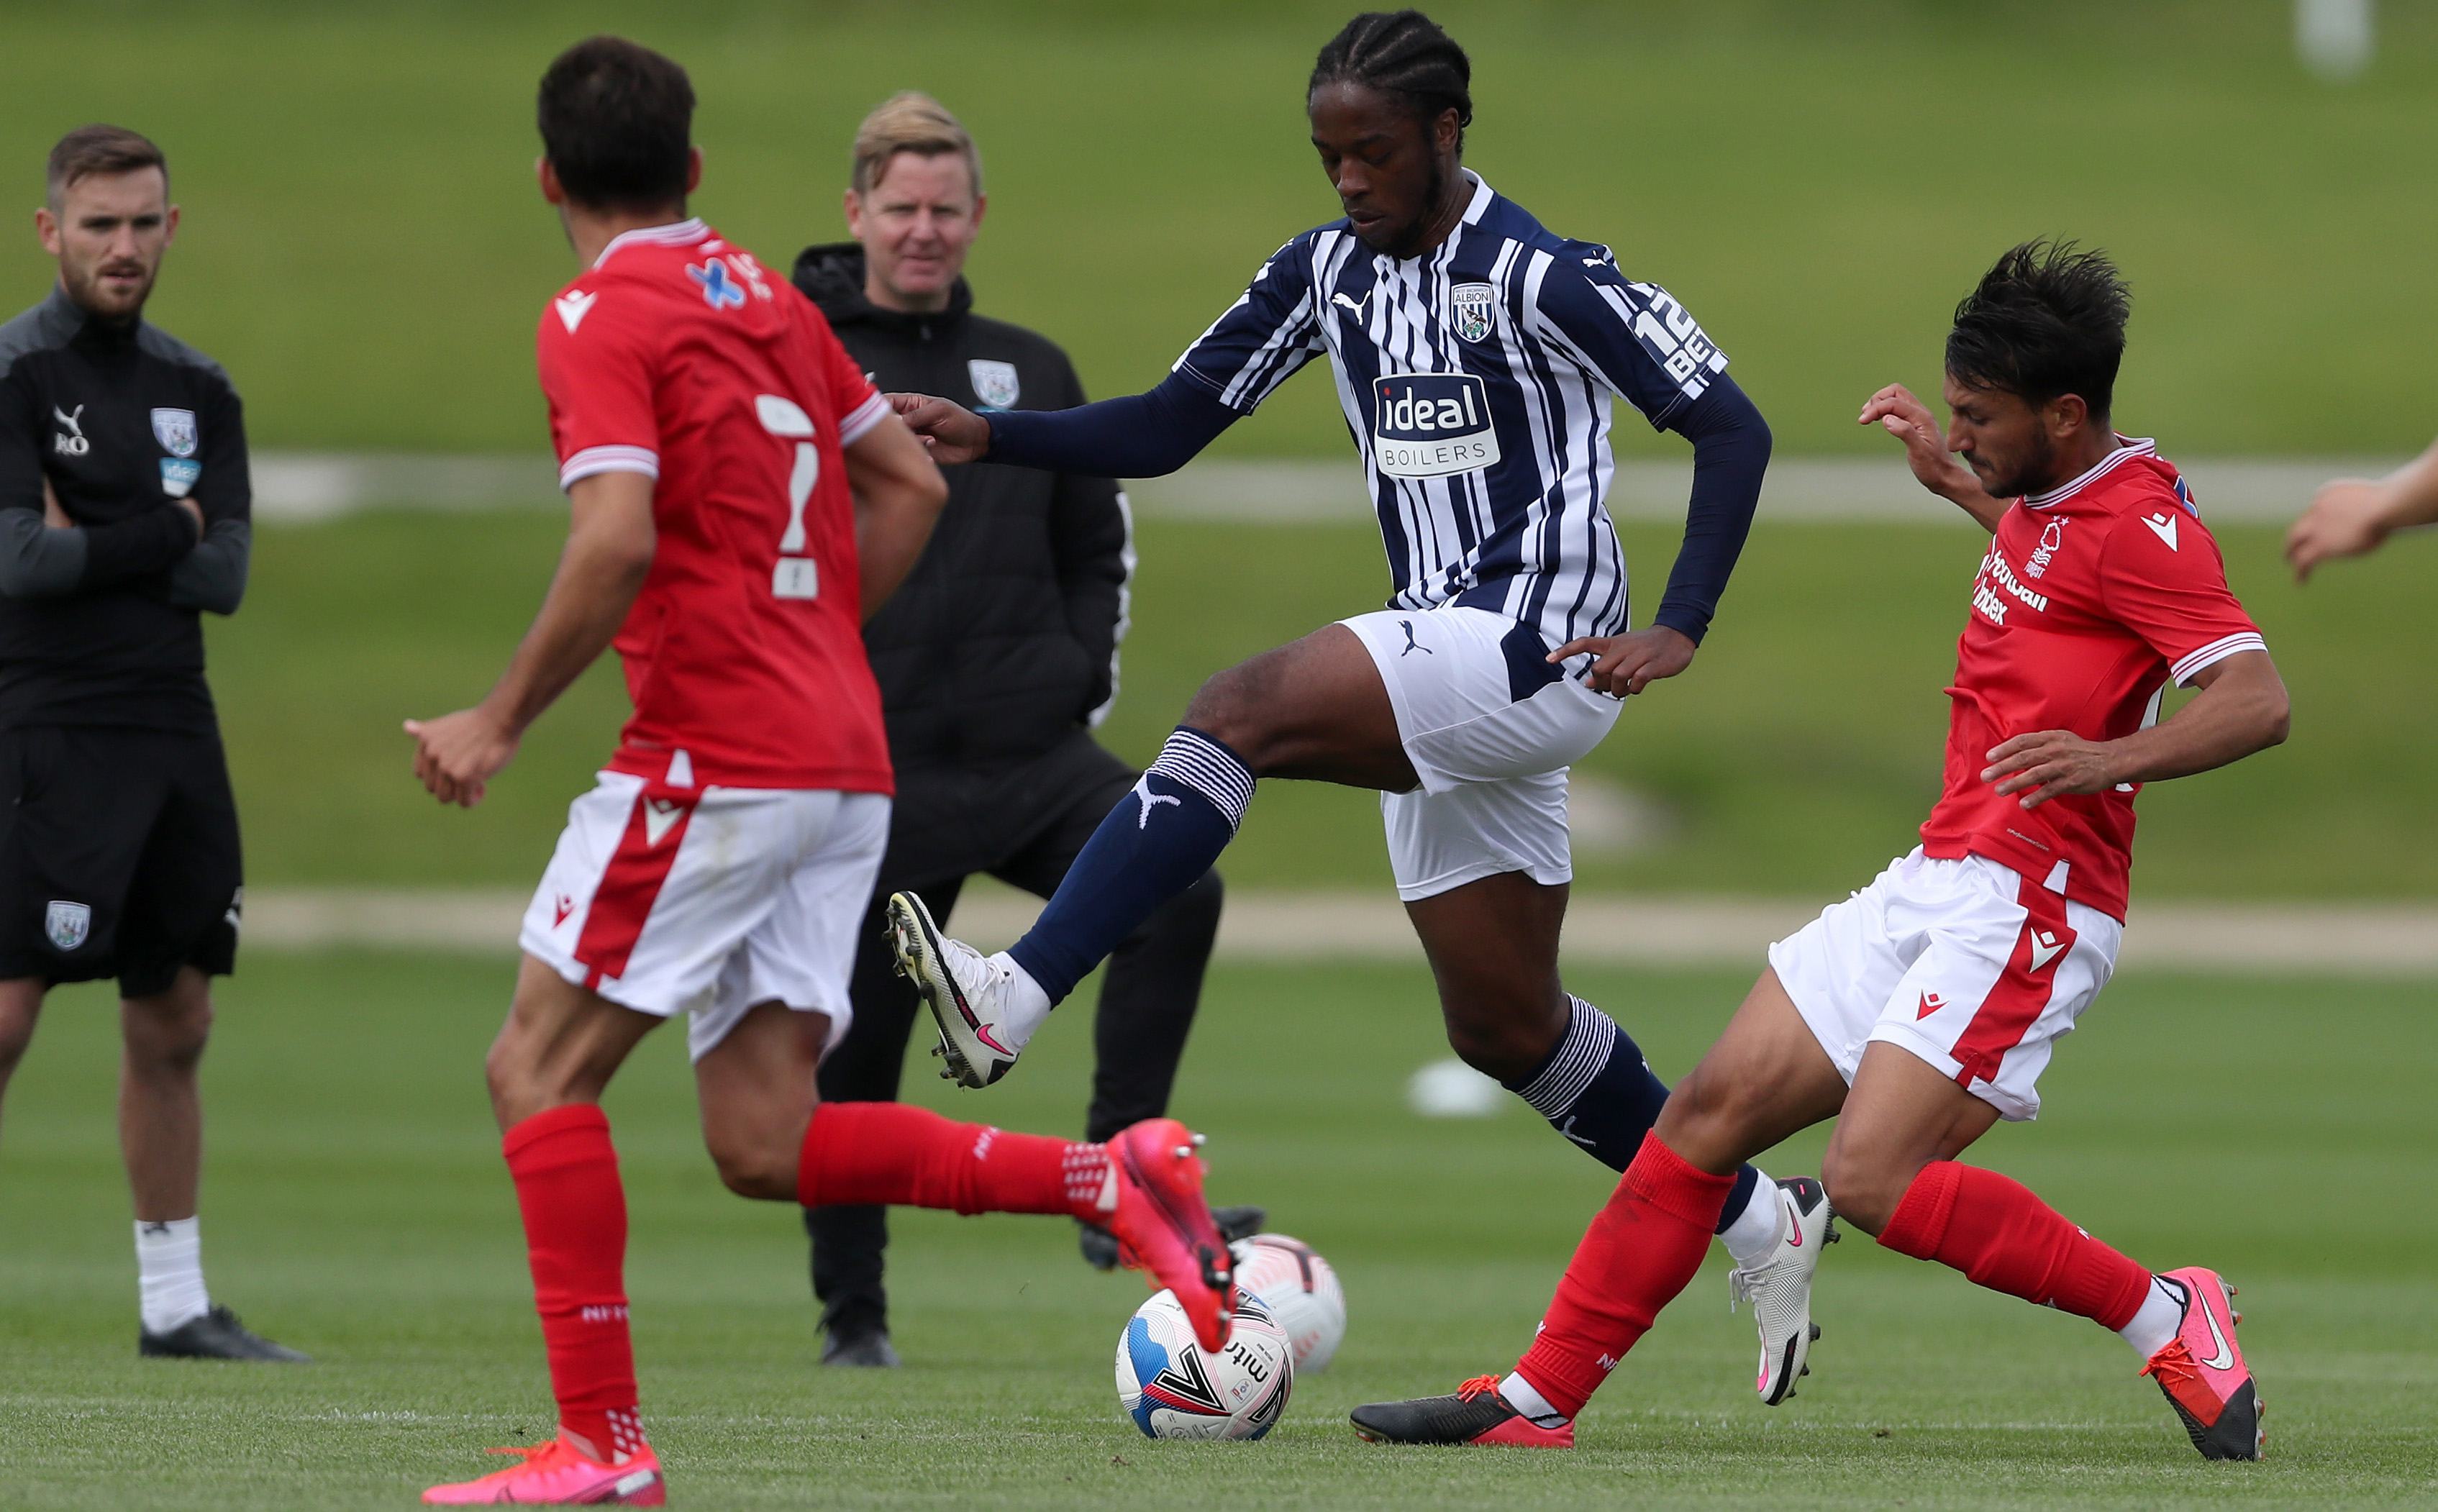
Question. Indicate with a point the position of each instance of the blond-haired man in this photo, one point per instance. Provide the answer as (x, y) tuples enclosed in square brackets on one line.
[(995, 659)]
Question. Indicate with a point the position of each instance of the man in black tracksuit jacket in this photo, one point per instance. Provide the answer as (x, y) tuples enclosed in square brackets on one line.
[(124, 513), (995, 658)]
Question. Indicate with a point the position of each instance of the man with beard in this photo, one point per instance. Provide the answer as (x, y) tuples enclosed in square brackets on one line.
[(996, 658), (1477, 354), (123, 515), (1924, 1008)]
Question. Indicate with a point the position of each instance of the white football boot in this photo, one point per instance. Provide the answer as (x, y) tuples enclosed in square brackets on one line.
[(1779, 1288), (965, 990)]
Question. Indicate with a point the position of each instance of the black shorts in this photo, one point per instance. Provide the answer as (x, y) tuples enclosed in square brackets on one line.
[(118, 857)]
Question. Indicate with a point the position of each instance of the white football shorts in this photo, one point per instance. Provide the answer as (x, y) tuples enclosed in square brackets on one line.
[(1970, 965), (1491, 735), (710, 904)]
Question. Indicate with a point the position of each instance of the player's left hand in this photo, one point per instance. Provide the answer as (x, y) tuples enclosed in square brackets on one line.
[(456, 754), (2050, 763), (1623, 664)]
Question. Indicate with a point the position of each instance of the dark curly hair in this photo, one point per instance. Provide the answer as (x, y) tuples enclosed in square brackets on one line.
[(2047, 321)]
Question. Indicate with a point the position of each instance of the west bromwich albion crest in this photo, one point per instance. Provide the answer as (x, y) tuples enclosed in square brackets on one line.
[(1472, 303), (995, 383), (175, 430), (66, 923)]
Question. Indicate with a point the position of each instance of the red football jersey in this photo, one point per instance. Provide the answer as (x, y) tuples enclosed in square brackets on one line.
[(678, 356), (2092, 597)]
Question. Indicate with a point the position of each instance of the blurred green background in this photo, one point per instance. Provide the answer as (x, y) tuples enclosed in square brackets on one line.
[(365, 251)]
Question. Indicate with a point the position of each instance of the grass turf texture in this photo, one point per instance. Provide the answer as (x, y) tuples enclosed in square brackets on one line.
[(365, 251), (355, 1206), (1799, 753)]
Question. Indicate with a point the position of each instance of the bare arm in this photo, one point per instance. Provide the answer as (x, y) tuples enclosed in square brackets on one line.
[(1910, 421), (898, 494), (2241, 709), (2352, 516), (608, 553)]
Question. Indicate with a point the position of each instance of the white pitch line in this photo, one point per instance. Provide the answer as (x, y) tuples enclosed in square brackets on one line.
[(304, 487), (2347, 940)]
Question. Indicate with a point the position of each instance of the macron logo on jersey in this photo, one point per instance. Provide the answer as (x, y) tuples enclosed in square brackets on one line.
[(2163, 526), (573, 306)]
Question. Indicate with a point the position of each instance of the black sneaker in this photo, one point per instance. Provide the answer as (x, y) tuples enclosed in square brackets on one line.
[(215, 1335), (867, 1349), (1100, 1246), (1475, 1414)]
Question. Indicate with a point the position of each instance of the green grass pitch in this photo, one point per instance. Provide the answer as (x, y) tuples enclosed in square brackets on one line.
[(355, 1206), (1798, 753), (1819, 183)]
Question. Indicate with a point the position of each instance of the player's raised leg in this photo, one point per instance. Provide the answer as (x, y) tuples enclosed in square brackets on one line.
[(1890, 1170), (1314, 709), (1765, 1079)]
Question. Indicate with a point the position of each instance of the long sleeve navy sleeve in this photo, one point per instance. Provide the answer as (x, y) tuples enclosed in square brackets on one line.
[(1731, 445), (1141, 435)]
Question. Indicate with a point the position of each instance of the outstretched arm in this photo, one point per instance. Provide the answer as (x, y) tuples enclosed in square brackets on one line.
[(608, 553), (1142, 435), (899, 495), (1910, 421), (1731, 446), (2352, 516)]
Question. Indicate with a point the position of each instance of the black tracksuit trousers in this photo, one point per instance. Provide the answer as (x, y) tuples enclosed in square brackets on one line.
[(1149, 993)]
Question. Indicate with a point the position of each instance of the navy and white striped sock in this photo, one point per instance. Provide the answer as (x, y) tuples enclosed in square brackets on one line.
[(1154, 845), (1598, 1090)]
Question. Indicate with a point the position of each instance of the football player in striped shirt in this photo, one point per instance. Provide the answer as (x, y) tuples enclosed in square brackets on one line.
[(1476, 354), (1923, 1008)]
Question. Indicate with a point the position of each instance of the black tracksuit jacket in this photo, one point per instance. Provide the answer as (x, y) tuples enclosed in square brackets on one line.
[(999, 650)]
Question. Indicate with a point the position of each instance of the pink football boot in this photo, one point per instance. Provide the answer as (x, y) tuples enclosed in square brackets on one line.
[(1163, 1225), (2202, 1372), (558, 1473)]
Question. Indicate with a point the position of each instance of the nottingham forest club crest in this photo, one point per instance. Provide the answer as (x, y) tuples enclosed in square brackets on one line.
[(1471, 303), (995, 383)]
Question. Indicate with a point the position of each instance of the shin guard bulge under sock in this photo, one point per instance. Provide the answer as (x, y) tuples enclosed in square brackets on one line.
[(576, 1235), (888, 1152), (1597, 1089), (1158, 841), (1643, 1248), (1996, 1232)]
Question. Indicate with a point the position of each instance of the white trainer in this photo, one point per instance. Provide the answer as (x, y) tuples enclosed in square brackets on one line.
[(1779, 1288), (965, 990)]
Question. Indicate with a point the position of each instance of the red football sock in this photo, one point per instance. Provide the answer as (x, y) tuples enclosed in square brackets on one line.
[(1996, 1232), (575, 1234), (1642, 1248), (864, 1152)]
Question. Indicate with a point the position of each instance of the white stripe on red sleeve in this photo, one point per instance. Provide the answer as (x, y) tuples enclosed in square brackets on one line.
[(860, 419), (2216, 651), (592, 460)]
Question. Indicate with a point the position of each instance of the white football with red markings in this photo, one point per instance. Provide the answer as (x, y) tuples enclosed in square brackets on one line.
[(1301, 1289)]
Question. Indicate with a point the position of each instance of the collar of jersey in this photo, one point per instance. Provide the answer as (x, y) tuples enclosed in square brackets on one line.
[(2128, 446), (676, 234)]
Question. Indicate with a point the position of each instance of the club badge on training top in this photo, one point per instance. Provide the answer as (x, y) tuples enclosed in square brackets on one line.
[(1471, 303), (66, 924), (175, 430), (995, 383)]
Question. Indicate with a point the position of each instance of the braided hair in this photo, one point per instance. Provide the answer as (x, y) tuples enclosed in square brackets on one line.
[(1401, 53)]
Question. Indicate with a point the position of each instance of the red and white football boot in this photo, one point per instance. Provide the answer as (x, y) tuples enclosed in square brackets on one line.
[(1163, 1225), (558, 1473), (2201, 1371), (1475, 1414)]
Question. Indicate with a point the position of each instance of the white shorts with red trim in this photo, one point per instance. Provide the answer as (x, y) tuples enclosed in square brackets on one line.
[(1972, 967), (712, 903)]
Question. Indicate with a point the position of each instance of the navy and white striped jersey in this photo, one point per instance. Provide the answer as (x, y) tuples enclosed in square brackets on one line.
[(1475, 380)]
